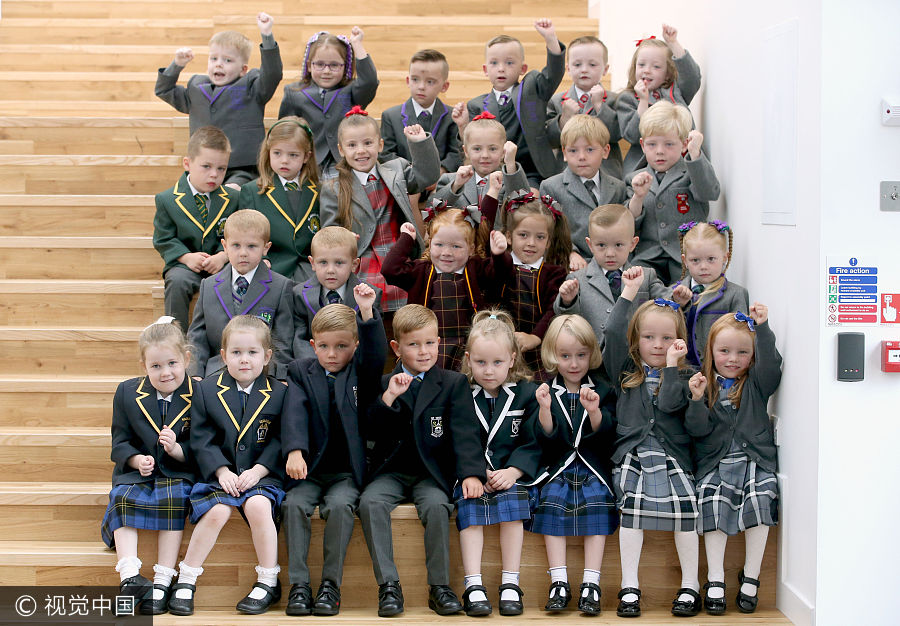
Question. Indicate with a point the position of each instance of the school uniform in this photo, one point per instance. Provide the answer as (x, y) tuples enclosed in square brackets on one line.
[(237, 108), (294, 219), (423, 443), (268, 297), (158, 501), (473, 192), (605, 111), (703, 310), (324, 112), (736, 453), (438, 122), (683, 195), (325, 427)]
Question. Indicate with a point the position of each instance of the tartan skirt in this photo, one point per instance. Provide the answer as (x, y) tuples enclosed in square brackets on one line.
[(653, 491), (204, 497), (159, 504), (450, 353), (512, 505), (738, 494), (575, 503)]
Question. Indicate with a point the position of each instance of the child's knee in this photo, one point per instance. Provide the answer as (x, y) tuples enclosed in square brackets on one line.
[(219, 514), (258, 509)]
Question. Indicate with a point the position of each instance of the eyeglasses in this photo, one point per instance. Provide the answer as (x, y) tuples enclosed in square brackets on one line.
[(321, 66)]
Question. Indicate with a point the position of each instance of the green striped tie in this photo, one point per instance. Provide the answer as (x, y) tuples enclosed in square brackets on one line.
[(201, 200), (291, 186)]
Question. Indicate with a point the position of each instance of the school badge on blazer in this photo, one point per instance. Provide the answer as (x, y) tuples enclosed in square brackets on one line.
[(263, 430), (437, 426), (682, 202), (265, 314), (220, 228), (514, 427), (185, 423), (313, 224)]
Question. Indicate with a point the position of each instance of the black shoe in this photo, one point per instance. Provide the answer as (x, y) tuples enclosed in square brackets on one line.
[(390, 599), (300, 600), (714, 606), (587, 603), (328, 599), (745, 603), (252, 606), (690, 608), (181, 606), (137, 587), (559, 600), (443, 601), (478, 608), (157, 607), (629, 609), (511, 607)]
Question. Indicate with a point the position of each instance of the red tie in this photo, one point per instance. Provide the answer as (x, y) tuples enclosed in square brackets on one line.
[(371, 178), (584, 98)]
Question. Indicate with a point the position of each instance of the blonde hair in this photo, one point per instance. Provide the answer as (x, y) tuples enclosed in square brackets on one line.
[(583, 333), (234, 40), (247, 323), (484, 125), (608, 215), (706, 231), (345, 172), (636, 377), (334, 237), (665, 118), (293, 130), (587, 127), (586, 41), (559, 244), (208, 137), (671, 69), (164, 331), (496, 324), (334, 318), (411, 318), (501, 39), (473, 235), (247, 221), (709, 365)]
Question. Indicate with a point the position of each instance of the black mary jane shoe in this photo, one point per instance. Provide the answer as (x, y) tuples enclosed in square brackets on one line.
[(252, 606), (181, 606), (714, 606), (476, 608), (328, 599), (559, 600), (390, 599), (443, 600), (689, 608), (511, 607), (745, 603), (157, 607), (629, 609), (300, 600), (588, 603)]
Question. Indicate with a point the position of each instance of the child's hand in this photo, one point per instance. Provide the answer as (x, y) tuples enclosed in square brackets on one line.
[(677, 350), (576, 261), (495, 184), (641, 91), (598, 95), (145, 464), (296, 465), (632, 278), (682, 295), (460, 115), (183, 56), (415, 133), (499, 244), (463, 175), (356, 36), (697, 385), (641, 184), (247, 479), (409, 229), (544, 27), (472, 488), (167, 440), (228, 480), (695, 140), (398, 384), (759, 312), (670, 36), (234, 186), (365, 296), (215, 262), (590, 399), (570, 107), (503, 479), (526, 341), (193, 260), (265, 22), (542, 395), (568, 291), (509, 156)]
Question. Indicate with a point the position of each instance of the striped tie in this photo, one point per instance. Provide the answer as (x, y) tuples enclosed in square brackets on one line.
[(291, 186), (201, 200)]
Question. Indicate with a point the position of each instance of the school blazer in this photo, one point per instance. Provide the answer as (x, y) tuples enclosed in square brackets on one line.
[(605, 112), (443, 131), (683, 196), (468, 194), (221, 435), (510, 440), (135, 430), (714, 429), (292, 226), (530, 97), (637, 416), (595, 299), (238, 108), (268, 297), (305, 421), (700, 314), (307, 296), (177, 226), (549, 278), (577, 203), (302, 99), (446, 436), (402, 178)]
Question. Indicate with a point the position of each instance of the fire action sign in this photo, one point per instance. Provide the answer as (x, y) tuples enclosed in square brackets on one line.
[(852, 292)]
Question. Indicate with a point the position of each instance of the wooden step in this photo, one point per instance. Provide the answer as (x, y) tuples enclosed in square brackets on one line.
[(103, 258), (52, 400), (87, 303), (86, 108), (74, 454), (37, 215), (65, 351)]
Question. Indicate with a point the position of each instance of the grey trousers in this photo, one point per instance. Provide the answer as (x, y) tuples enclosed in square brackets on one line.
[(180, 286)]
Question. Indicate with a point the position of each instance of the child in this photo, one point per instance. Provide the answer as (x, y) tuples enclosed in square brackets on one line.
[(287, 193), (372, 199), (736, 453), (520, 106), (576, 428), (235, 438), (188, 233), (505, 408), (424, 442), (243, 93), (661, 71), (705, 255), (591, 292), (670, 189), (327, 90), (323, 444), (587, 62), (582, 186), (334, 263), (653, 481), (153, 475), (243, 287), (428, 77)]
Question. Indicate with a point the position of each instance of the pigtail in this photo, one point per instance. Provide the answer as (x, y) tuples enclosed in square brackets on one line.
[(345, 194), (560, 245), (264, 167)]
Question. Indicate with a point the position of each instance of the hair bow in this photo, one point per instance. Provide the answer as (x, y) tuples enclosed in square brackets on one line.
[(165, 319), (484, 115), (348, 66), (430, 212), (356, 110), (741, 317), (684, 228), (663, 302), (473, 215), (517, 198), (552, 206), (720, 225), (638, 42)]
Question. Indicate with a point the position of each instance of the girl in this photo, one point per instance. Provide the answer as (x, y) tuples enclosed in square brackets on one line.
[(736, 453), (152, 477), (576, 427), (452, 275), (653, 481), (287, 193), (660, 70), (235, 438), (506, 409), (705, 255), (327, 90)]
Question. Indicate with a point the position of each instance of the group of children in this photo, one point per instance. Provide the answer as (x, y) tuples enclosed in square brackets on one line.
[(570, 355)]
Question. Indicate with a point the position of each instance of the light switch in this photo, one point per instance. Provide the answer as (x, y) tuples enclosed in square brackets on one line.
[(890, 195)]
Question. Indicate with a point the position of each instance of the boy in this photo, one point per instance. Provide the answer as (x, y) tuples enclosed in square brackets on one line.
[(190, 218), (245, 286), (593, 290), (425, 440), (321, 440), (428, 77), (587, 63), (521, 106), (228, 96), (334, 263), (583, 186), (671, 190)]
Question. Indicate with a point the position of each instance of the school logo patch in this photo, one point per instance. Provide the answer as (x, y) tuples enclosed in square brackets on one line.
[(514, 427), (682, 202), (437, 426), (263, 430), (220, 228), (314, 224), (185, 423), (266, 315)]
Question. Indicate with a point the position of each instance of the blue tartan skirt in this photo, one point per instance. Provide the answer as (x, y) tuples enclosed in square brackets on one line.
[(512, 505), (159, 504), (204, 497), (575, 503)]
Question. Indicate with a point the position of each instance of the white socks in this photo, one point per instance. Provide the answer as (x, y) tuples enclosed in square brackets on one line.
[(163, 576), (591, 576), (715, 542), (267, 576), (509, 578), (472, 581), (558, 575), (187, 575), (755, 539), (688, 546), (631, 541), (128, 566)]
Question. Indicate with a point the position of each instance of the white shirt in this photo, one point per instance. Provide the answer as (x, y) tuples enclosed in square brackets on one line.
[(535, 266), (285, 181), (508, 93), (364, 176), (167, 398), (246, 389), (340, 291), (248, 276), (194, 191), (418, 110)]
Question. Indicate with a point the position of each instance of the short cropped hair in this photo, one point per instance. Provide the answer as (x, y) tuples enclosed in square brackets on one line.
[(334, 237), (208, 137), (247, 221), (432, 56), (665, 118), (411, 318), (579, 328), (334, 318), (608, 215), (586, 41), (249, 323), (584, 126), (234, 40), (501, 39)]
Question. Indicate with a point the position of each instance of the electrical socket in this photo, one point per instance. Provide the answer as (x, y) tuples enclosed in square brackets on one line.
[(890, 195)]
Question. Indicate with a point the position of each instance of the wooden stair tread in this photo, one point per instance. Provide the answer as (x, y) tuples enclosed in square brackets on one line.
[(78, 286), (52, 383), (20, 333), (99, 160), (75, 200), (76, 242)]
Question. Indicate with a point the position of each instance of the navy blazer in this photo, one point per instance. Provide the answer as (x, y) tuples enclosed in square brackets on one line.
[(700, 314), (509, 438), (443, 130)]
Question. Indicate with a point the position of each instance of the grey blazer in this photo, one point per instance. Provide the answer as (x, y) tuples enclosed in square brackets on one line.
[(443, 130), (468, 195), (606, 112), (700, 313)]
